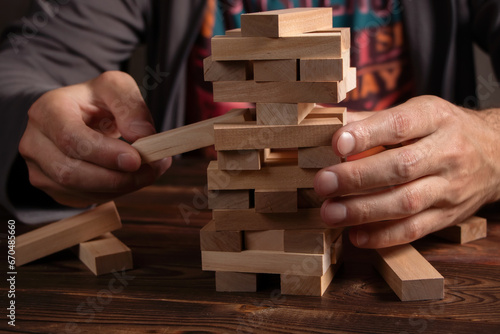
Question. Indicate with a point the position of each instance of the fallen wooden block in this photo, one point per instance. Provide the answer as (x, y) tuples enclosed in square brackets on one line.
[(186, 138), (285, 22), (317, 70), (311, 241), (409, 274), (229, 199), (308, 285), (271, 240), (226, 70), (282, 113), (471, 229), (226, 281), (249, 220), (275, 70), (269, 262), (223, 241), (239, 160), (105, 254), (66, 233), (275, 201), (249, 136), (317, 157)]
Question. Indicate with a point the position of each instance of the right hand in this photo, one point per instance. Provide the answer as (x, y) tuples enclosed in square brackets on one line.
[(71, 143)]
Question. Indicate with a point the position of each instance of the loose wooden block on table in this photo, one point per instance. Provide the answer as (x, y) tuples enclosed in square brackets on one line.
[(186, 138), (249, 135), (226, 281), (223, 241), (226, 70), (308, 285), (285, 22), (282, 92), (275, 201), (66, 233), (320, 112), (273, 176), (409, 274), (308, 198), (269, 262), (105, 254), (229, 199), (239, 160), (471, 229), (271, 240), (317, 157), (249, 220), (332, 69), (275, 70), (311, 241), (282, 113), (317, 45)]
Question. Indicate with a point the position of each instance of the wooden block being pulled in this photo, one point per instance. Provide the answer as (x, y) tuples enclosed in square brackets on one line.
[(66, 233), (308, 285), (283, 92), (327, 69), (269, 262), (271, 240), (471, 229), (317, 157), (105, 254), (223, 241), (285, 22), (275, 201), (186, 138), (249, 135), (308, 198), (317, 45), (320, 112), (239, 160), (409, 274), (229, 199), (275, 70), (249, 220), (311, 241), (226, 70), (226, 281), (270, 176), (282, 113)]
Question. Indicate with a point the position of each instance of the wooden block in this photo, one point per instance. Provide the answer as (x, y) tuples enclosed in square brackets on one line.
[(282, 113), (223, 241), (280, 156), (317, 157), (239, 160), (350, 80), (226, 70), (234, 32), (66, 233), (320, 112), (270, 176), (317, 45), (275, 70), (229, 199), (186, 138), (307, 285), (277, 201), (268, 262), (281, 92), (337, 250), (285, 22), (271, 240), (249, 135), (409, 274), (249, 220), (226, 281), (344, 32), (308, 198), (105, 254), (317, 70), (469, 230), (311, 241)]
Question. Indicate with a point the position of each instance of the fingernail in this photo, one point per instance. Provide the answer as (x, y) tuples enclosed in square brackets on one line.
[(142, 128), (327, 183), (127, 162), (346, 143), (335, 213), (361, 238)]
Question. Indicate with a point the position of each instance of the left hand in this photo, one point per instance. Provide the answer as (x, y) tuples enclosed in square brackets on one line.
[(446, 169)]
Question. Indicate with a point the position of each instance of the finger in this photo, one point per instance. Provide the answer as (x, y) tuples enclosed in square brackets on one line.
[(358, 116), (414, 119), (394, 203)]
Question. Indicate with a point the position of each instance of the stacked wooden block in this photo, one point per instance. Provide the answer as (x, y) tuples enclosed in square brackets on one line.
[(266, 215)]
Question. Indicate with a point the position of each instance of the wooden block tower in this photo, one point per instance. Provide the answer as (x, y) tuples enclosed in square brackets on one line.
[(266, 215)]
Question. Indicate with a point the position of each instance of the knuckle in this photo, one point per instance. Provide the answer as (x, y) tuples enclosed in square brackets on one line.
[(412, 201), (400, 125), (406, 164), (356, 178), (412, 230), (113, 78)]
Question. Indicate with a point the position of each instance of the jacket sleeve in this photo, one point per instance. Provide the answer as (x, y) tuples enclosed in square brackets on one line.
[(58, 43)]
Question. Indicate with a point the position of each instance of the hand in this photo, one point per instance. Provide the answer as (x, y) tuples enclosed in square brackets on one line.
[(71, 143), (446, 169)]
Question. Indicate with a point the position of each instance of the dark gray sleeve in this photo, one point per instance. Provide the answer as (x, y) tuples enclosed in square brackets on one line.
[(59, 43)]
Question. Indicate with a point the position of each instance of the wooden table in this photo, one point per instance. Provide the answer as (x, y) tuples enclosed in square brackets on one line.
[(168, 292)]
